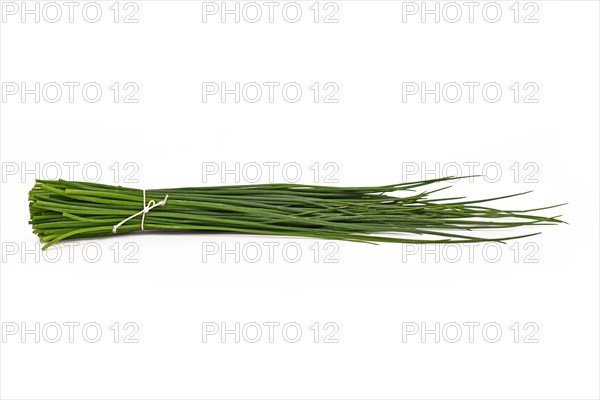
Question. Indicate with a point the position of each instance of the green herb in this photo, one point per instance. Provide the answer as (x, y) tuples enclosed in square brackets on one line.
[(71, 210)]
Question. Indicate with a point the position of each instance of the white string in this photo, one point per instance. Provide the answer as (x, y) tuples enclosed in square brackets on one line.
[(147, 207)]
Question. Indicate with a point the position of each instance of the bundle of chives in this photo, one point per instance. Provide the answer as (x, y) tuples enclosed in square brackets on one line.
[(71, 210)]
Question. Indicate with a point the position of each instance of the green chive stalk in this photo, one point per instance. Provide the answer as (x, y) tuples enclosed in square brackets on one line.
[(62, 210)]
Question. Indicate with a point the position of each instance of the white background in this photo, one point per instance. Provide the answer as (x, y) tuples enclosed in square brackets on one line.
[(373, 137)]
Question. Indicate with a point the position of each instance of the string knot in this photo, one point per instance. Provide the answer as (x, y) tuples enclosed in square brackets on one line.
[(147, 207)]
